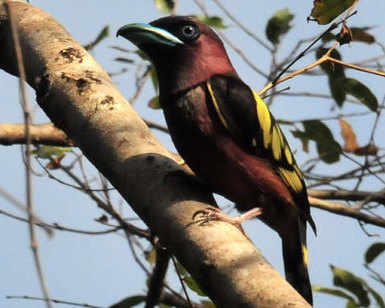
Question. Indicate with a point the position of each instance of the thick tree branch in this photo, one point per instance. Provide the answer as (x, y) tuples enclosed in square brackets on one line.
[(45, 134), (347, 195), (48, 134), (79, 97), (345, 210)]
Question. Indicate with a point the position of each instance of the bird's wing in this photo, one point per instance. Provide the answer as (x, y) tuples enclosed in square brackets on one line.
[(244, 114)]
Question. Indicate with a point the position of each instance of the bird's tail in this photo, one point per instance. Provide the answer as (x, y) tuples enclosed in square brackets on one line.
[(295, 260)]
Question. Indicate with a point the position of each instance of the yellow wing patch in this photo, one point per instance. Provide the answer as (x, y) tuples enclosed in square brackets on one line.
[(305, 255), (299, 172), (276, 143), (264, 119), (215, 103), (292, 179), (288, 155)]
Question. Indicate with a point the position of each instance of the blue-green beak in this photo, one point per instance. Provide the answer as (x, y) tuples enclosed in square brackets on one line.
[(139, 34)]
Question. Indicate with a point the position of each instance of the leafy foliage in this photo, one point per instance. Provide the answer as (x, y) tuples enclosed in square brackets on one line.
[(324, 11), (47, 151), (131, 301), (374, 251), (278, 25), (340, 85), (360, 92), (165, 6), (212, 21), (359, 34), (356, 290), (328, 149), (104, 33)]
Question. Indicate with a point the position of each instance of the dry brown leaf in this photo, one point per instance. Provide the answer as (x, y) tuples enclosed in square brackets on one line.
[(345, 36), (369, 149), (349, 136)]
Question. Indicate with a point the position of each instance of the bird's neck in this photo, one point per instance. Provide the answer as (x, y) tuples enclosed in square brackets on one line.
[(180, 73)]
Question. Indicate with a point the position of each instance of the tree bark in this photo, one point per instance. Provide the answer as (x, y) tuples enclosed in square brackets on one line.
[(44, 134), (80, 98)]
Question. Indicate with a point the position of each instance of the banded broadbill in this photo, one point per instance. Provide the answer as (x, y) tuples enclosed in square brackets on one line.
[(225, 132)]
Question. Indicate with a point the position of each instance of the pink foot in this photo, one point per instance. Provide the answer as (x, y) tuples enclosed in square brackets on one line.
[(211, 214)]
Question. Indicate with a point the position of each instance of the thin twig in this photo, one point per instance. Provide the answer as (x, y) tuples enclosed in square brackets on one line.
[(28, 178), (356, 67), (57, 301), (157, 126), (156, 282), (181, 281), (55, 178), (244, 28), (298, 72), (302, 54), (60, 227), (233, 46), (128, 228), (10, 198), (140, 82), (135, 255)]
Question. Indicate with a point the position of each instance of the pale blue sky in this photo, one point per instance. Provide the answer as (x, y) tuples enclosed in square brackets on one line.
[(100, 270)]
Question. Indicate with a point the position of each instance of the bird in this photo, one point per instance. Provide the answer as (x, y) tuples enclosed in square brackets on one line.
[(226, 134)]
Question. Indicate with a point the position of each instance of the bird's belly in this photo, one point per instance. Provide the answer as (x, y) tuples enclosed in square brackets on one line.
[(230, 170)]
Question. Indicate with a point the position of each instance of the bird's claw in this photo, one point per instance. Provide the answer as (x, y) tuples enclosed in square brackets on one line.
[(211, 214), (208, 214)]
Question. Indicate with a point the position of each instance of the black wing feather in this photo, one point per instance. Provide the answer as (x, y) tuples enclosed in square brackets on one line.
[(248, 120)]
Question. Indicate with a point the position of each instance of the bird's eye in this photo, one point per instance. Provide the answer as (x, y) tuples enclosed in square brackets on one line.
[(190, 32)]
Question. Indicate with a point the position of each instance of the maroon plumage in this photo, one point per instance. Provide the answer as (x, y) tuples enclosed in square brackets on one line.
[(225, 132)]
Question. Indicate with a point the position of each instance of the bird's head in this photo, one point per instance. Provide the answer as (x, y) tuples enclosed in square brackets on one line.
[(184, 50)]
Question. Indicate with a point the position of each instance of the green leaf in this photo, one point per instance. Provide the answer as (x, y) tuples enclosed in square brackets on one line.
[(154, 103), (336, 75), (359, 34), (324, 11), (361, 92), (141, 54), (130, 301), (151, 256), (154, 77), (337, 90), (180, 268), (334, 292), (104, 33), (304, 139), (48, 151), (125, 60), (352, 283), (328, 149), (278, 25), (165, 6), (118, 48), (351, 304), (377, 297), (193, 285), (374, 251), (208, 304), (212, 21)]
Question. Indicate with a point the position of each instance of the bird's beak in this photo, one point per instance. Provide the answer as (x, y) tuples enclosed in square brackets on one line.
[(140, 34)]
